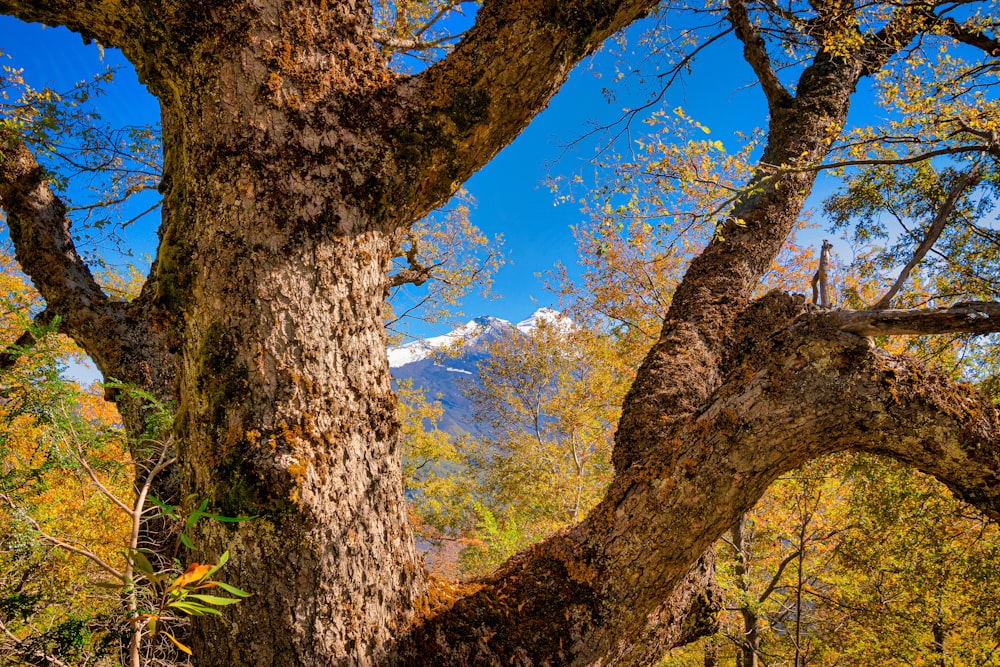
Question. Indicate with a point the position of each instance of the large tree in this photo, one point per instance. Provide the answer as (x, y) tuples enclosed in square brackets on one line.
[(295, 160)]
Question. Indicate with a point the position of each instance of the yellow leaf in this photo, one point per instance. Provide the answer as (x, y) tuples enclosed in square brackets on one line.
[(179, 645)]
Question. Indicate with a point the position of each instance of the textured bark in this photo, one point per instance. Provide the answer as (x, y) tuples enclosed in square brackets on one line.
[(294, 161)]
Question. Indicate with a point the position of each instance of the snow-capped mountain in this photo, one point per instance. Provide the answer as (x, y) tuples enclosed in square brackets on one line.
[(474, 333), (442, 376), (547, 315)]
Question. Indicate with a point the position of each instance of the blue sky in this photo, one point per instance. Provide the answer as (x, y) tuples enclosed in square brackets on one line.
[(511, 198)]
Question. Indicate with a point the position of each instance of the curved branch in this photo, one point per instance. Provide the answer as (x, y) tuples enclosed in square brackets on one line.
[(755, 53), (127, 341), (44, 247), (805, 391), (464, 109), (860, 398), (124, 339)]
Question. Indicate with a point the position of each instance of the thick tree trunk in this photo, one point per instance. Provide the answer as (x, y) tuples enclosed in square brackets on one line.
[(277, 273), (287, 415)]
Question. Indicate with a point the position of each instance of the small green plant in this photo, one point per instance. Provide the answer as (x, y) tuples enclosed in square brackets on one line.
[(185, 594)]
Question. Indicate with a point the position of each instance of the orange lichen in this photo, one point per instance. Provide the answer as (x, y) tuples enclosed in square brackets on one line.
[(441, 596), (580, 572), (274, 84)]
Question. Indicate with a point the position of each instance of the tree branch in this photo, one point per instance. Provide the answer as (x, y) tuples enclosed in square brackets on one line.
[(755, 53), (887, 42), (462, 110), (973, 317), (106, 21), (960, 33), (776, 578), (910, 159), (45, 250), (791, 395), (26, 340), (416, 42), (66, 546), (401, 44), (964, 182), (415, 273)]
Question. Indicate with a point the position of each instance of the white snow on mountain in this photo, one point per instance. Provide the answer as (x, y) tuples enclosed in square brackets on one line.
[(423, 348), (468, 333), (547, 315)]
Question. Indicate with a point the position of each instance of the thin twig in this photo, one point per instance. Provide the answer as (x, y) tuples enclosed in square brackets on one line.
[(86, 553)]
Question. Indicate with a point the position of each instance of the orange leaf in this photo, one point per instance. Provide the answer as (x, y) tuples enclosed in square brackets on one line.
[(194, 573)]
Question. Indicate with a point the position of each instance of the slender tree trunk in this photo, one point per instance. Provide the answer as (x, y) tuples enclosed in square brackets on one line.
[(799, 657), (940, 635), (749, 648), (711, 656)]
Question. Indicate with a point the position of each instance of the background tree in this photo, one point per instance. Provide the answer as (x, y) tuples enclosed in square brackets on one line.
[(443, 258), (433, 474), (929, 566), (545, 409)]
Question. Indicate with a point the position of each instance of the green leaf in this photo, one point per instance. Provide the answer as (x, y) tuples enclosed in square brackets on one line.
[(213, 599), (232, 590), (193, 608), (141, 563), (169, 511), (223, 559), (195, 515)]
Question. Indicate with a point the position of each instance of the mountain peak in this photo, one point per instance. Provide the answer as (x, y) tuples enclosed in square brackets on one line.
[(419, 350), (482, 327), (546, 315)]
